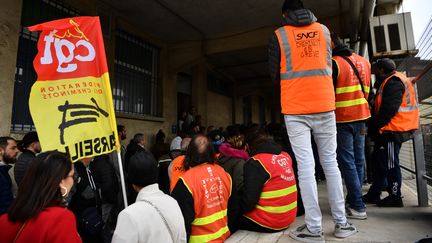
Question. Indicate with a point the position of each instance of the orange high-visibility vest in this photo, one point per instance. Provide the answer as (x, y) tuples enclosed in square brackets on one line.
[(277, 206), (407, 117), (351, 102), (210, 187), (177, 170), (305, 69)]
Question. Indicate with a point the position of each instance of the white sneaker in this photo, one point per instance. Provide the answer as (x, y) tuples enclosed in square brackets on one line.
[(344, 230), (354, 214), (303, 234)]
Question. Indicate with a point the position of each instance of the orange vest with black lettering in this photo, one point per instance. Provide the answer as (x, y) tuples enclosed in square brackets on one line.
[(277, 206), (177, 170), (305, 69), (351, 102), (210, 187), (407, 117)]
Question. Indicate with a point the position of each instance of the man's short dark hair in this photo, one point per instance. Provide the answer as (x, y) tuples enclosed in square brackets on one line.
[(120, 128), (143, 169), (4, 141)]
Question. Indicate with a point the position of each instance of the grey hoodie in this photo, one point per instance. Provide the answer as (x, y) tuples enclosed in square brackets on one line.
[(299, 17)]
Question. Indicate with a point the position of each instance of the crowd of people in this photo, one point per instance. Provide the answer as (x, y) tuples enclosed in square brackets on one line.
[(210, 182)]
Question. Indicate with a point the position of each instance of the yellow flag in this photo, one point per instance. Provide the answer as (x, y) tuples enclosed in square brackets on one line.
[(71, 101)]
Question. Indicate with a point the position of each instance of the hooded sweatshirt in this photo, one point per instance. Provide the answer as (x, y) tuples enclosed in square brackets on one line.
[(299, 17)]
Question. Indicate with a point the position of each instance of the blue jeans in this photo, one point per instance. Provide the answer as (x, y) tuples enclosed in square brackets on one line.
[(350, 154)]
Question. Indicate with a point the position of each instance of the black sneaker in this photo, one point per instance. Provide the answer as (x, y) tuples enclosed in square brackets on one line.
[(391, 201), (367, 198)]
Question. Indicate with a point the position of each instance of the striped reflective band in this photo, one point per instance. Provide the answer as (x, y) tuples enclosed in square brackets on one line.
[(278, 209), (305, 73), (408, 108), (328, 41), (349, 89), (278, 193), (286, 47), (407, 91), (208, 237), (211, 218), (347, 103)]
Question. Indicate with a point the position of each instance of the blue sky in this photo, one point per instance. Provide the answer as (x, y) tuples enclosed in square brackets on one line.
[(421, 13)]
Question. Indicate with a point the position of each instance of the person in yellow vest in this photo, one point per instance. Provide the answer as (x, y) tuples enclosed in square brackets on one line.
[(395, 117), (202, 193), (351, 78), (269, 198), (300, 60)]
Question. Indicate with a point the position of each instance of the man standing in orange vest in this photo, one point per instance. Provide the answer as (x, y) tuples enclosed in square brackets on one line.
[(202, 193), (300, 59), (351, 78), (396, 116)]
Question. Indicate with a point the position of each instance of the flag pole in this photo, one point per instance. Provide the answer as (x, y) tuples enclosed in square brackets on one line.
[(122, 179)]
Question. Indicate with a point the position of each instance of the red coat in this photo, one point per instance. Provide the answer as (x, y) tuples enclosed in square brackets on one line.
[(53, 225)]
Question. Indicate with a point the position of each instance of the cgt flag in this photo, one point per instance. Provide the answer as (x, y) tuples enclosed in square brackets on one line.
[(71, 101)]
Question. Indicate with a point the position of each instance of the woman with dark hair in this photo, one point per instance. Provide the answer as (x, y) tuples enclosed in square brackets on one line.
[(202, 193), (39, 212), (232, 158)]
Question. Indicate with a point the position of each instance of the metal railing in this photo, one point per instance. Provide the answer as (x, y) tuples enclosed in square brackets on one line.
[(420, 69)]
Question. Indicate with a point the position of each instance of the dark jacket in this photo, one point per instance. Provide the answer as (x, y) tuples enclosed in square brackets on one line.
[(6, 196), (391, 100), (255, 176), (84, 197), (233, 160), (22, 164), (159, 149), (131, 149), (299, 17), (106, 179)]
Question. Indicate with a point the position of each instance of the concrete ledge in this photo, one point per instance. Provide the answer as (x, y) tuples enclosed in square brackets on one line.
[(400, 225)]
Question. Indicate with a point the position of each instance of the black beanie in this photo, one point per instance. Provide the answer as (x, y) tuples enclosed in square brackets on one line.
[(292, 5), (142, 169), (387, 64)]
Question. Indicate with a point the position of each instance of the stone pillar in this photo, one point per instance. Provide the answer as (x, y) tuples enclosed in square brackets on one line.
[(199, 90), (10, 16)]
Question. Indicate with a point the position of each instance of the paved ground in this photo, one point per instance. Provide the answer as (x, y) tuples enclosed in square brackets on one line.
[(408, 224)]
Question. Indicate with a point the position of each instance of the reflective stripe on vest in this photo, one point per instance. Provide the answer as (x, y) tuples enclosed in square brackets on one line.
[(208, 237), (290, 73), (211, 218), (305, 69), (210, 187), (407, 117), (351, 99), (278, 193), (276, 207)]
